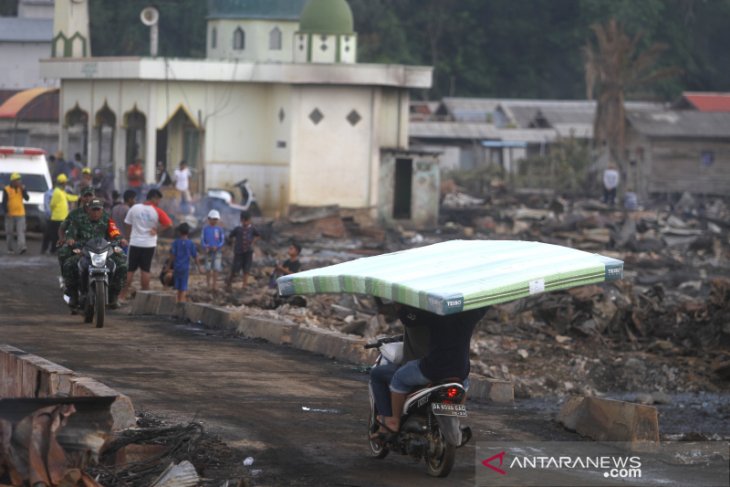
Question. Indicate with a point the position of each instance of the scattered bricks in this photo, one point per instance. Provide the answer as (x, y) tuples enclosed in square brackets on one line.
[(121, 410), (610, 420), (483, 388)]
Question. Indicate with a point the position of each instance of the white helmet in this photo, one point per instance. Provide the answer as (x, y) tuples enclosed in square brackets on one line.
[(214, 215)]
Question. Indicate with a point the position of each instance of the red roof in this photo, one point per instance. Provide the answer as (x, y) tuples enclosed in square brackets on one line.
[(709, 102)]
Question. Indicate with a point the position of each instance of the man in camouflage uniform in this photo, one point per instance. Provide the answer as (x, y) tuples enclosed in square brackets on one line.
[(77, 214), (97, 224)]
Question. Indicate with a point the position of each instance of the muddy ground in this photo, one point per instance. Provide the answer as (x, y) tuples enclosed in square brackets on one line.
[(300, 417), (658, 337)]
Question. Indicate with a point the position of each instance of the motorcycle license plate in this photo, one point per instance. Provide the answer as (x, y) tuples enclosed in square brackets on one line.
[(443, 409)]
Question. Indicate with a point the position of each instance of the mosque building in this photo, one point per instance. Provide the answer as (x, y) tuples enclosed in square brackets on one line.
[(280, 100)]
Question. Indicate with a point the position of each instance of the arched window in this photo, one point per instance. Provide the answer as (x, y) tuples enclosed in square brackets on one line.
[(275, 39), (239, 39), (213, 38)]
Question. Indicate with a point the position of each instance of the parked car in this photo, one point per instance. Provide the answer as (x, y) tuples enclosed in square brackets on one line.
[(31, 164)]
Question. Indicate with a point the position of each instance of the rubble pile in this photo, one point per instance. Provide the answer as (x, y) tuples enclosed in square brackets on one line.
[(664, 327)]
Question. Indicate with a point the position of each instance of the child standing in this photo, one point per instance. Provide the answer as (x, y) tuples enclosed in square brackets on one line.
[(182, 251), (212, 240), (243, 237)]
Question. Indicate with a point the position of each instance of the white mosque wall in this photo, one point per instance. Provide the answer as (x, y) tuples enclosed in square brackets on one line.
[(331, 160), (258, 45)]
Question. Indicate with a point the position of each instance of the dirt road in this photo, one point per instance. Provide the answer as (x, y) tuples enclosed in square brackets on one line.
[(251, 393)]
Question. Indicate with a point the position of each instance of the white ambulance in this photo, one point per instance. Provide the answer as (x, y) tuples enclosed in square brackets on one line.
[(32, 166)]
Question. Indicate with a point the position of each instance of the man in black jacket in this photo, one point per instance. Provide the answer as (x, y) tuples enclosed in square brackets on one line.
[(447, 358)]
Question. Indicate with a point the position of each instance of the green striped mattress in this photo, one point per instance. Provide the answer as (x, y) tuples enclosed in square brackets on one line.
[(459, 275)]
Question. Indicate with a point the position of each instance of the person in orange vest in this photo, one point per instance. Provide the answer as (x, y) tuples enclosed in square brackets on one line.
[(135, 177), (13, 196)]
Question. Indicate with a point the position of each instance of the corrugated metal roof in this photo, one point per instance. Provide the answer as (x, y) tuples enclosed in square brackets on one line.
[(576, 114), (453, 130), (471, 109), (478, 131), (708, 102), (16, 29), (681, 123)]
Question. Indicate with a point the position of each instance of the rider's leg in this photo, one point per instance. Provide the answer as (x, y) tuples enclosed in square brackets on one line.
[(118, 279), (380, 377), (70, 274), (405, 378)]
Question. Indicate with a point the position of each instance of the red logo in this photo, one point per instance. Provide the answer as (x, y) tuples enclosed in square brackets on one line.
[(488, 463)]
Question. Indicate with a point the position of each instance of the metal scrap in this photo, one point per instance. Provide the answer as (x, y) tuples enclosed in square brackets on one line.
[(50, 442)]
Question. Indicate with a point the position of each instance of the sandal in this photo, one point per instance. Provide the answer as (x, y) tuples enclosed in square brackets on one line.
[(383, 436)]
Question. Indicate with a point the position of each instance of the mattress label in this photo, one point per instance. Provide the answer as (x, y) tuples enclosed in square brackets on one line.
[(537, 286)]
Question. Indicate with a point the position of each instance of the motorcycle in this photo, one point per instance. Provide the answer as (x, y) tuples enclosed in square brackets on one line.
[(430, 424), (95, 268), (223, 200)]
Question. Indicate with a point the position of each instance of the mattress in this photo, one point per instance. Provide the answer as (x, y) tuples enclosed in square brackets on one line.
[(459, 275)]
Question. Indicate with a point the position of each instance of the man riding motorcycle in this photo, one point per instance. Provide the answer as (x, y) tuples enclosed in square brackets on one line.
[(75, 215), (97, 224)]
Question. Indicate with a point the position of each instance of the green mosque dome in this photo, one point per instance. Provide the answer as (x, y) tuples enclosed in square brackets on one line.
[(331, 17)]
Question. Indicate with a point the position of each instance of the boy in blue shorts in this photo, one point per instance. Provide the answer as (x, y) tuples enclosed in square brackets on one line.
[(212, 239), (183, 250)]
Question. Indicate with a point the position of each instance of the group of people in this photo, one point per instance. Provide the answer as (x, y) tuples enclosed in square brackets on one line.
[(180, 179), (213, 238), (136, 234)]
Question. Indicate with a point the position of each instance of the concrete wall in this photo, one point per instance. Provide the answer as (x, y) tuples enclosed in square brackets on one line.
[(24, 375), (331, 161), (257, 46), (20, 68)]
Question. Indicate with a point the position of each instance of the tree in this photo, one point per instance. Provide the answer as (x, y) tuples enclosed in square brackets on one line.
[(614, 66)]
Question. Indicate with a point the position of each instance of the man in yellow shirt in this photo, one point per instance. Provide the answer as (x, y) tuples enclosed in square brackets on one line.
[(59, 206), (13, 196)]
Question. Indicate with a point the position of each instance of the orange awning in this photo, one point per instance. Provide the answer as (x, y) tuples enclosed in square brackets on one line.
[(15, 104)]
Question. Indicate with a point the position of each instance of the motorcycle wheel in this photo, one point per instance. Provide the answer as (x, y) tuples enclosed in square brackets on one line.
[(88, 309), (377, 450), (100, 305), (440, 455)]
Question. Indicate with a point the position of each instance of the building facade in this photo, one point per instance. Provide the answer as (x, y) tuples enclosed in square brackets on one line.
[(280, 101)]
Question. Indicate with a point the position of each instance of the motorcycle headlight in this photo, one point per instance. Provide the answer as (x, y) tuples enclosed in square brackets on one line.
[(98, 260)]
